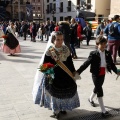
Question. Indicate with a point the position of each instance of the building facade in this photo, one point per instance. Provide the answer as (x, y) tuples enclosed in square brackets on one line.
[(57, 9), (14, 8), (37, 9), (17, 9), (101, 8)]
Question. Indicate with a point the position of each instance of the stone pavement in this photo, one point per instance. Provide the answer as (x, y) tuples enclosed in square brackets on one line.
[(17, 78)]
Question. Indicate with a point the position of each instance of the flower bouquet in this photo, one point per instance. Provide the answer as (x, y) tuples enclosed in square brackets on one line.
[(48, 70)]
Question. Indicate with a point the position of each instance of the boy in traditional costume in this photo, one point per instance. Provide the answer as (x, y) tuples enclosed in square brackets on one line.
[(101, 62)]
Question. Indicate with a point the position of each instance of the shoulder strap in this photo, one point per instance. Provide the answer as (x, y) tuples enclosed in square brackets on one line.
[(61, 64), (11, 31)]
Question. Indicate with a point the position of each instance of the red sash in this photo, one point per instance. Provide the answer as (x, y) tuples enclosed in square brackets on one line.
[(102, 71)]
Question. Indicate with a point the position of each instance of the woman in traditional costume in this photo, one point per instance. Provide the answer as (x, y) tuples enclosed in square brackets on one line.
[(10, 44), (61, 94)]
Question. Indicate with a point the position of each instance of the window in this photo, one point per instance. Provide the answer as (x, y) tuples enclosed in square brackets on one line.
[(78, 2), (69, 17), (48, 19), (88, 4), (38, 8), (21, 1), (69, 6), (61, 7), (27, 2), (61, 18), (54, 19), (47, 11), (33, 8), (50, 7), (54, 6)]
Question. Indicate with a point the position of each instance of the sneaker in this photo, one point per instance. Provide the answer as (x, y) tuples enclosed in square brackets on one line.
[(106, 114), (92, 103)]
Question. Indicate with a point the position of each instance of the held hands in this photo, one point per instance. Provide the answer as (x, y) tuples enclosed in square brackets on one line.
[(76, 75)]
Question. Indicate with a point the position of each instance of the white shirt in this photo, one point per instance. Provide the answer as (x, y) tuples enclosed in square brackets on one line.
[(103, 59)]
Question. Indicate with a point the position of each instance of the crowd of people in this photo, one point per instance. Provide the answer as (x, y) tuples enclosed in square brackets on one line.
[(72, 31), (58, 90)]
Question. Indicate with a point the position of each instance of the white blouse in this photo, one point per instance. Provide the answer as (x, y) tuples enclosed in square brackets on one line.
[(103, 59)]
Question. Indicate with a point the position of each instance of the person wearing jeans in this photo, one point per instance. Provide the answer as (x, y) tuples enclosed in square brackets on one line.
[(113, 39)]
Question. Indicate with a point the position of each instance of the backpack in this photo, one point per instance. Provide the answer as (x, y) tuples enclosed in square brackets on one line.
[(112, 31)]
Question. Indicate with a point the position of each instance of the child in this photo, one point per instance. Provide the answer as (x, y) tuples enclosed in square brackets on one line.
[(101, 61)]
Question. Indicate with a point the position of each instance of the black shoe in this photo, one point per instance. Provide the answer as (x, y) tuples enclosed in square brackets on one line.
[(63, 112), (56, 115), (106, 114), (92, 103)]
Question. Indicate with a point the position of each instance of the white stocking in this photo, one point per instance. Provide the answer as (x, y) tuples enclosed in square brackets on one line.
[(92, 96), (100, 100)]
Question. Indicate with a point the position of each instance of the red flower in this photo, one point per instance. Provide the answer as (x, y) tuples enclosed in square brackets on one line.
[(48, 65), (4, 36)]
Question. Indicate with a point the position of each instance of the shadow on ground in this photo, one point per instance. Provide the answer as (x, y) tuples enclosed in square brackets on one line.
[(90, 115), (18, 60)]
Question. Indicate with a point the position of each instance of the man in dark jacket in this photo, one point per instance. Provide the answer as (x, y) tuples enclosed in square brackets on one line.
[(64, 27), (113, 38), (24, 29)]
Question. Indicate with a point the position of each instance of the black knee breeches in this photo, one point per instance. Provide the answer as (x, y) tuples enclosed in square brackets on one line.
[(98, 82)]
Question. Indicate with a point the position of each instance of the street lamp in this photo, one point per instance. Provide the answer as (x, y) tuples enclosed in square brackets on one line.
[(53, 13)]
